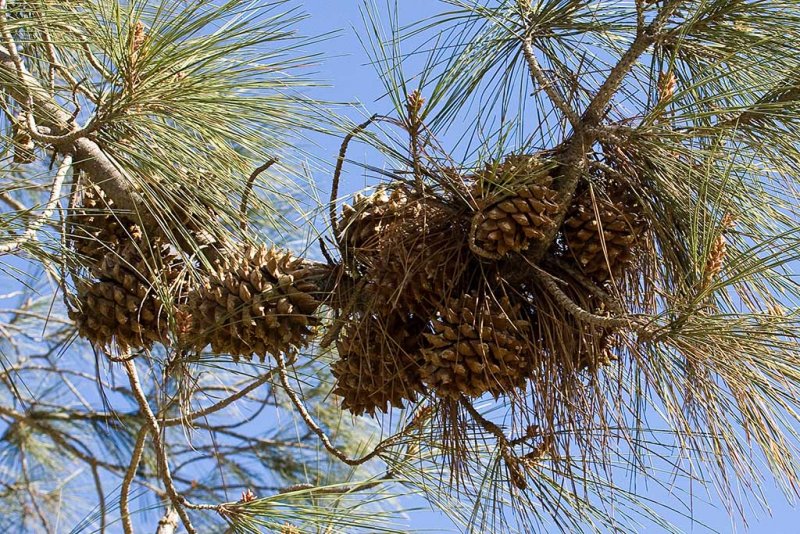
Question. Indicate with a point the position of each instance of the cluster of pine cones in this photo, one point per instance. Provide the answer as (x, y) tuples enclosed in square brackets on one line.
[(444, 309), (256, 300), (439, 298)]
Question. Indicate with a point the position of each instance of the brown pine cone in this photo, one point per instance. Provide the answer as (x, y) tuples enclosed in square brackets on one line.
[(618, 230), (478, 346), (516, 205), (96, 230), (378, 365), (363, 225), (262, 302), (125, 304)]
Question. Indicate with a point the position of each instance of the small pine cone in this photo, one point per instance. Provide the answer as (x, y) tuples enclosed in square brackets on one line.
[(96, 230), (125, 304), (511, 224), (477, 347), (23, 144), (622, 229), (378, 366), (262, 302), (717, 252), (364, 223)]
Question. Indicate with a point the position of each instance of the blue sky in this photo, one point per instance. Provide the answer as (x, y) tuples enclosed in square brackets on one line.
[(352, 79)]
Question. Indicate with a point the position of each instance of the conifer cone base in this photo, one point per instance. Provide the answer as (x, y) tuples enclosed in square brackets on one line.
[(363, 224), (421, 261)]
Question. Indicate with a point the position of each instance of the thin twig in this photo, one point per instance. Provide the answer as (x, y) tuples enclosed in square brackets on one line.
[(337, 174), (34, 499), (101, 497), (161, 452), (314, 427), (130, 474), (13, 203), (224, 403), (603, 295), (36, 224), (549, 283), (538, 75), (248, 189)]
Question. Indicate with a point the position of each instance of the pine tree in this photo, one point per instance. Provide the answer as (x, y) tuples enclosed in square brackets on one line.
[(577, 260)]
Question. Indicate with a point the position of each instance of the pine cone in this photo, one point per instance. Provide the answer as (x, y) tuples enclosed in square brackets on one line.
[(478, 346), (125, 304), (378, 366), (619, 229), (516, 206), (96, 230), (363, 225), (262, 302)]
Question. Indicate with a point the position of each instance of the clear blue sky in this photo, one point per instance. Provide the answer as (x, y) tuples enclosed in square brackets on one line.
[(352, 79)]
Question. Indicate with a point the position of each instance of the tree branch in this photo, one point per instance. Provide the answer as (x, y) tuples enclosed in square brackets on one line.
[(573, 153), (38, 222), (99, 167), (161, 451)]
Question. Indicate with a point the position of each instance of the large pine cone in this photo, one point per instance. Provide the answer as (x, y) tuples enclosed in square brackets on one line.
[(618, 229), (378, 366), (96, 230), (364, 223), (478, 346), (260, 303), (125, 303), (516, 206)]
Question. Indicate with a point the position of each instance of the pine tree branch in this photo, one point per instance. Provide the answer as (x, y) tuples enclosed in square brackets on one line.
[(538, 76), (572, 155), (161, 452), (89, 157)]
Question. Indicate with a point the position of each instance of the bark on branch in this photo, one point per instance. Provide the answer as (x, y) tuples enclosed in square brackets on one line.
[(88, 156)]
